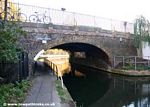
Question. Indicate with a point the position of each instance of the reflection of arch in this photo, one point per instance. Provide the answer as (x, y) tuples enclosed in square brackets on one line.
[(89, 89), (89, 49)]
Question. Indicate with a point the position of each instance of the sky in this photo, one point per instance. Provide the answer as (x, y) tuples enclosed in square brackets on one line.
[(122, 10)]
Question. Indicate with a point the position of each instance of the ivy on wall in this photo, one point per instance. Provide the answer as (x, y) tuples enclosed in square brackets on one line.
[(9, 35)]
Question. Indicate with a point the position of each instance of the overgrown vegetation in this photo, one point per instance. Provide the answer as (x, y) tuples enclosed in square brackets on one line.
[(63, 93), (138, 67), (141, 33), (13, 93), (10, 33)]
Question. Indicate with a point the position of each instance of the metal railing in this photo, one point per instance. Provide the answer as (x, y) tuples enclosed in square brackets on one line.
[(132, 62), (18, 71), (59, 17)]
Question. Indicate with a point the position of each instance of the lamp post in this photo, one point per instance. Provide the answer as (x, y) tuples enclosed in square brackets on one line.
[(125, 27), (63, 9)]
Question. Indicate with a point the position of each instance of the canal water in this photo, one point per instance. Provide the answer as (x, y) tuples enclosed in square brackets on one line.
[(99, 89)]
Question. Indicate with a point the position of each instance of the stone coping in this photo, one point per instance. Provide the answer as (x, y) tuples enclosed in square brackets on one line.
[(139, 73)]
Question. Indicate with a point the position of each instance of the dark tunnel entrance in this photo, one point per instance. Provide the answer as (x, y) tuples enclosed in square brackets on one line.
[(83, 53), (85, 84)]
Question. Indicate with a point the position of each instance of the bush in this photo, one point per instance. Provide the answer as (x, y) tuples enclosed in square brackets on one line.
[(13, 93), (138, 67), (10, 33), (9, 72)]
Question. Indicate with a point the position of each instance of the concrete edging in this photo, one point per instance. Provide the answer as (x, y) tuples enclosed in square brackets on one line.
[(122, 72)]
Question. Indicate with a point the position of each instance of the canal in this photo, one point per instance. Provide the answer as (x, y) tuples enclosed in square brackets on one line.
[(99, 89)]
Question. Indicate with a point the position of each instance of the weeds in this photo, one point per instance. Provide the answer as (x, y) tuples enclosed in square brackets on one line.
[(13, 93), (62, 92)]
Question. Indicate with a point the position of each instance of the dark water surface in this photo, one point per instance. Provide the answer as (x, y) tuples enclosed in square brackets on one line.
[(99, 89)]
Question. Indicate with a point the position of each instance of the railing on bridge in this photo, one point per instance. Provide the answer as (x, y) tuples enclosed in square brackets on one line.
[(48, 15)]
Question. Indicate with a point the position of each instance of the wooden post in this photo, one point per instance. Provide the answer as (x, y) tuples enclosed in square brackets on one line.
[(135, 87), (123, 84), (62, 83), (123, 62), (52, 68), (55, 70), (114, 61), (114, 83), (148, 61), (135, 63)]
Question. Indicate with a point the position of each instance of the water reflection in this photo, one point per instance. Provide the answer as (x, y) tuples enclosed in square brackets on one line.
[(98, 89)]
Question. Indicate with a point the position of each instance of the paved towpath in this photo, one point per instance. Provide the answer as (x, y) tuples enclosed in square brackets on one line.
[(43, 92)]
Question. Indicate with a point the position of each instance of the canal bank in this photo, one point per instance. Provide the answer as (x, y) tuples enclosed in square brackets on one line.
[(134, 73)]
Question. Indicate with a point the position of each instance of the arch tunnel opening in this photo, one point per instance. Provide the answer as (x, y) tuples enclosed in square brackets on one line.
[(85, 54), (89, 54)]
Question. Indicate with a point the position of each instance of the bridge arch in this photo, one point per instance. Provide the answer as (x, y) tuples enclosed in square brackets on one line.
[(77, 42), (88, 49), (108, 46), (94, 56)]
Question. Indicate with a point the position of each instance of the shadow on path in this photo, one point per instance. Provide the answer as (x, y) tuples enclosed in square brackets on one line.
[(43, 90)]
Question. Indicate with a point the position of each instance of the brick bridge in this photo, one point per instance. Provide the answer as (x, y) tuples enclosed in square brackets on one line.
[(91, 40)]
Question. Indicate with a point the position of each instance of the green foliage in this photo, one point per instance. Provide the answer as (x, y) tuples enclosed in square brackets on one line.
[(13, 93), (138, 67), (141, 31), (10, 33), (62, 92)]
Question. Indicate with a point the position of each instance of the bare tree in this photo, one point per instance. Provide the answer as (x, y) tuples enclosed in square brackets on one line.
[(5, 10)]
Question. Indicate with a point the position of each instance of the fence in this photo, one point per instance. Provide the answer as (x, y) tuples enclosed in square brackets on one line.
[(62, 17), (132, 62), (55, 70), (15, 71)]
